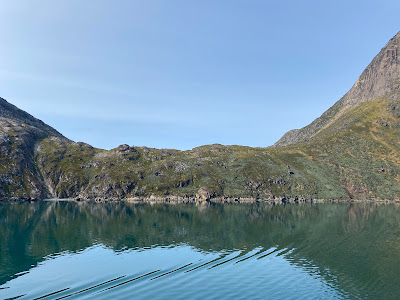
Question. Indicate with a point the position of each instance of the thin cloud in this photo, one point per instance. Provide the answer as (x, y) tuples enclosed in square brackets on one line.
[(67, 82)]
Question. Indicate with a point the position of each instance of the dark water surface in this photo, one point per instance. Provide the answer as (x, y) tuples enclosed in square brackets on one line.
[(68, 250)]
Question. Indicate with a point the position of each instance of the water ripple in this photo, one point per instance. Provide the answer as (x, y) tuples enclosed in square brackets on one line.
[(91, 288), (206, 275)]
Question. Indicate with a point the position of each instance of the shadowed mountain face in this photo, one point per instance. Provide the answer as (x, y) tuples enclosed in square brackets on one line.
[(19, 133), (351, 152)]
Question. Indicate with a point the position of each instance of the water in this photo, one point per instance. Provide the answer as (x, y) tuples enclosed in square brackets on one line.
[(68, 250)]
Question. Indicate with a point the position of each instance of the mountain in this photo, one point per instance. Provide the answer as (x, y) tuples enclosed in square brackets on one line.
[(19, 135), (351, 152), (380, 78)]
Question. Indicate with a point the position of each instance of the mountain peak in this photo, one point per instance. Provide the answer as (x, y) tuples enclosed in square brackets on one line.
[(11, 113), (380, 78)]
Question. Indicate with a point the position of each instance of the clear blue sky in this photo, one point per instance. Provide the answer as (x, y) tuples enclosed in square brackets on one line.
[(181, 73)]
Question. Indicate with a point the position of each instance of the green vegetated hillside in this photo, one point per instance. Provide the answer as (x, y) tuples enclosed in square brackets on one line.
[(360, 162), (351, 152)]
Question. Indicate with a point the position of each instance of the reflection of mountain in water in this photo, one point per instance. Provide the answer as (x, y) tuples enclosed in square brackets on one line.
[(355, 246)]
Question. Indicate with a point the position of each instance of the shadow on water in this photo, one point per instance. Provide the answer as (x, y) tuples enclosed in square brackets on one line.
[(354, 247)]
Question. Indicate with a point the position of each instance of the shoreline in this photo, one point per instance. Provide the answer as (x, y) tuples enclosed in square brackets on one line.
[(193, 200)]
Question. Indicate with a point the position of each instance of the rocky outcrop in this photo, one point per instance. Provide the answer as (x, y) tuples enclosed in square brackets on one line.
[(204, 194)]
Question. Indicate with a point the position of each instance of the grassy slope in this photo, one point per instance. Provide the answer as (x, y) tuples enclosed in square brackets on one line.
[(361, 160)]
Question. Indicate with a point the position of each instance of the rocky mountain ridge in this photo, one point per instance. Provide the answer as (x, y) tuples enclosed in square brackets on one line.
[(381, 77), (19, 134)]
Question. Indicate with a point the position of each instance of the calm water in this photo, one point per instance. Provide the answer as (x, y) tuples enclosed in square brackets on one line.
[(67, 250)]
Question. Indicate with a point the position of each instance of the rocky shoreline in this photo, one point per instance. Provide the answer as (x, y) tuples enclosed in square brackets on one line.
[(193, 200)]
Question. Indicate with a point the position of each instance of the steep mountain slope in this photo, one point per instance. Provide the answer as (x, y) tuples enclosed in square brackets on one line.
[(381, 77), (350, 152), (19, 132)]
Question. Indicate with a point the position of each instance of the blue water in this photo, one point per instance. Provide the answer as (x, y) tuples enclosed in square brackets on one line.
[(169, 273), (123, 251)]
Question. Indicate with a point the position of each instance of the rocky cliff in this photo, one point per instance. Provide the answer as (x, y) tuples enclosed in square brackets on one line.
[(351, 152), (380, 78)]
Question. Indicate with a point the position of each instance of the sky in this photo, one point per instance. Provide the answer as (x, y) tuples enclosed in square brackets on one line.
[(180, 74)]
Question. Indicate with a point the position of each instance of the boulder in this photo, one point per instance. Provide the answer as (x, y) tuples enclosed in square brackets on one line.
[(204, 194)]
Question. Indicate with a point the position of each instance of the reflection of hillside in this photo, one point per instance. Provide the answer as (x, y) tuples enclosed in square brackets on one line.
[(357, 216), (358, 243)]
